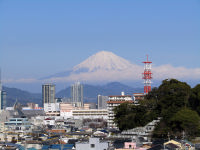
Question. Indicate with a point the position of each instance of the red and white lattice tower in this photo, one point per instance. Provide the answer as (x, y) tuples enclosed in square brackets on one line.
[(147, 76)]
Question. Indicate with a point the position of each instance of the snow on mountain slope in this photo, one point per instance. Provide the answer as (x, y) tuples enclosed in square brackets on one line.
[(105, 66), (102, 66), (104, 61)]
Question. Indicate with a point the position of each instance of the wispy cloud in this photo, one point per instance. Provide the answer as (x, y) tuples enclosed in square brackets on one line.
[(168, 71), (21, 80), (132, 73)]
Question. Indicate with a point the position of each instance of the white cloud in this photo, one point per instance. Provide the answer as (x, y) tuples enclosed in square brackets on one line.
[(132, 73), (159, 73), (168, 71)]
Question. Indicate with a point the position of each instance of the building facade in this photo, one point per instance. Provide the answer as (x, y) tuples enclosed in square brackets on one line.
[(102, 101), (18, 124), (2, 96), (52, 109), (77, 94), (67, 110), (93, 144), (113, 102), (48, 93), (90, 113), (3, 100), (138, 97)]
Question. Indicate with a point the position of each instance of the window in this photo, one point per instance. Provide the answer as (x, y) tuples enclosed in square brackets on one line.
[(92, 145), (12, 119)]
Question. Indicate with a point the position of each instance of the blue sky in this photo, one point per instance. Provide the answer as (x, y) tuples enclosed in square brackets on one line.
[(43, 37)]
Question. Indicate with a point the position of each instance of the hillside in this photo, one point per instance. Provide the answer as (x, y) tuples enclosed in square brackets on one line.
[(90, 93), (22, 96)]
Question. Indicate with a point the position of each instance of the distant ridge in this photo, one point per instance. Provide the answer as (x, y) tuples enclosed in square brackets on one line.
[(22, 96), (90, 93)]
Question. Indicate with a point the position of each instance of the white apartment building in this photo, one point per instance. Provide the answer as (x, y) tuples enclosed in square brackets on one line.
[(67, 110), (52, 109), (138, 97), (114, 101), (91, 113)]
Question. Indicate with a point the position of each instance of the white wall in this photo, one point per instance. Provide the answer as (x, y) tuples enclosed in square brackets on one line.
[(50, 107)]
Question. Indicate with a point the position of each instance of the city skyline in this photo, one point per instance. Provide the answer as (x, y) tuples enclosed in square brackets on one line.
[(42, 38)]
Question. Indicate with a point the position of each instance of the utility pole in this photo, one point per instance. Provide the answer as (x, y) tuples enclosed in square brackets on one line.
[(168, 136), (183, 138)]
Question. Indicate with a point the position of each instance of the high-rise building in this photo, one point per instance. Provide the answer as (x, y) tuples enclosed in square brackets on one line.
[(102, 101), (3, 100), (48, 93), (77, 94), (2, 96)]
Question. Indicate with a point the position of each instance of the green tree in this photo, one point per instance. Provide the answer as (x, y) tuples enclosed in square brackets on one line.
[(128, 116), (194, 100), (174, 101), (121, 115), (172, 96), (185, 120)]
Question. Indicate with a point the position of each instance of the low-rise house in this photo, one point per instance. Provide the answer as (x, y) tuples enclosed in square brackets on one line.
[(173, 145), (144, 132), (18, 124), (93, 144), (49, 121), (78, 134), (131, 146)]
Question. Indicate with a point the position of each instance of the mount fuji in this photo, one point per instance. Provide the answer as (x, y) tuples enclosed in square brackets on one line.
[(106, 67), (103, 66)]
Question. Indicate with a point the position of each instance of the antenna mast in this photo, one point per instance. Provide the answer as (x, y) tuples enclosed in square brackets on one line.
[(147, 76)]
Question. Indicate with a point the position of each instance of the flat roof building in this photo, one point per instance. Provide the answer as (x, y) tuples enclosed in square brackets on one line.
[(114, 101)]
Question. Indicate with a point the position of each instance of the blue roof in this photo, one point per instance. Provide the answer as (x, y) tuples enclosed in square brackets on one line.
[(16, 145), (58, 146), (31, 149), (104, 131)]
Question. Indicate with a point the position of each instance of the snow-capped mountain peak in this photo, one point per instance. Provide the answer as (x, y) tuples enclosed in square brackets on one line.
[(105, 66), (103, 60)]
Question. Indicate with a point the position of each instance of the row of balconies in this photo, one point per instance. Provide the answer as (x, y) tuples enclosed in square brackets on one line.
[(89, 114)]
